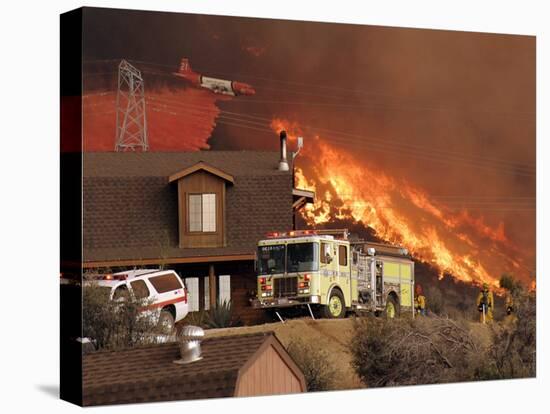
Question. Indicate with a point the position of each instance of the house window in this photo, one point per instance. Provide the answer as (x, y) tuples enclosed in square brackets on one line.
[(202, 213)]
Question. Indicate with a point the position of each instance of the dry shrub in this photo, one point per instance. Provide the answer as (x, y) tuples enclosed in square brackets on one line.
[(438, 349), (513, 351), (419, 351), (196, 318), (435, 300), (116, 324), (314, 363)]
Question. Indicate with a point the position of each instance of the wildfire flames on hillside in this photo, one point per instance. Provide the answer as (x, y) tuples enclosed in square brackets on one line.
[(348, 188)]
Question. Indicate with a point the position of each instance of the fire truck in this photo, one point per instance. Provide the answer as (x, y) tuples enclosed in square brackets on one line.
[(325, 270)]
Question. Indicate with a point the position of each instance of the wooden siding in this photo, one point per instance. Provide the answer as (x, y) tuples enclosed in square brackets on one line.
[(201, 182), (241, 288), (268, 375)]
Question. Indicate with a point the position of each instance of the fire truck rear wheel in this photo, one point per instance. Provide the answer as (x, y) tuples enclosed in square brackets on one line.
[(336, 307)]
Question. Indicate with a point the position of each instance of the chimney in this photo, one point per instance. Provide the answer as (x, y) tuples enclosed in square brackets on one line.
[(283, 163), (189, 340)]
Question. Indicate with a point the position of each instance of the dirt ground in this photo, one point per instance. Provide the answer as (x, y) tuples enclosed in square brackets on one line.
[(331, 334)]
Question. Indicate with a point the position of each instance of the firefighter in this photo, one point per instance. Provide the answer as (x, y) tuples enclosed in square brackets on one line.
[(419, 300), (510, 309), (485, 304), (509, 303)]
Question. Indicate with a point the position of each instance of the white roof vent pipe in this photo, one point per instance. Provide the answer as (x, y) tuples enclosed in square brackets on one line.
[(283, 163), (189, 340), (300, 146)]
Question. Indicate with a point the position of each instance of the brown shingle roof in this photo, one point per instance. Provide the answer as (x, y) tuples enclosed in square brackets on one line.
[(149, 374), (164, 164), (131, 211)]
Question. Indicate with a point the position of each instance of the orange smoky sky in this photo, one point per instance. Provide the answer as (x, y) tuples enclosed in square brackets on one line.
[(436, 127)]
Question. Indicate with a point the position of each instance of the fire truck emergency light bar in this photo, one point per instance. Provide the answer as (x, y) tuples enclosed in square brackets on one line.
[(294, 233), (339, 233)]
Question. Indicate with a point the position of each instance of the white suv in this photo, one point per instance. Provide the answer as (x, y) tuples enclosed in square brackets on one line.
[(163, 287)]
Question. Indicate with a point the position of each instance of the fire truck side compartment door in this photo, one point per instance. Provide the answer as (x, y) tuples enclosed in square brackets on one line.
[(406, 285)]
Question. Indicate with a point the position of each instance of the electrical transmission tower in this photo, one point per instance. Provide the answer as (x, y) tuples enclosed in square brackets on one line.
[(131, 123)]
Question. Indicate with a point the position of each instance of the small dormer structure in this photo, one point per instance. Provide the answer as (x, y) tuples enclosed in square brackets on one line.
[(201, 205)]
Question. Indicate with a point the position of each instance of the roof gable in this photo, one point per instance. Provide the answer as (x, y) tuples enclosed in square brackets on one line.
[(201, 166), (136, 374)]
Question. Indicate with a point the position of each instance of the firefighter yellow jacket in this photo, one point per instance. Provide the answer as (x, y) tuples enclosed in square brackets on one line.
[(490, 300), (420, 302)]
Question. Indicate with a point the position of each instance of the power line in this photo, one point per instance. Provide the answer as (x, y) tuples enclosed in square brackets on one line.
[(406, 149), (322, 86), (318, 86), (390, 146), (381, 140), (426, 155)]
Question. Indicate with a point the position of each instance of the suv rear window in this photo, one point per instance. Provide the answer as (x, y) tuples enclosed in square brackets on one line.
[(141, 291), (165, 283)]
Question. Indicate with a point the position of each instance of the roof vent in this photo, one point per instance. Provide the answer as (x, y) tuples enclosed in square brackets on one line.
[(189, 340), (283, 163)]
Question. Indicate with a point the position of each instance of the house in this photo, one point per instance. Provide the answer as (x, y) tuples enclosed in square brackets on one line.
[(200, 213), (231, 366)]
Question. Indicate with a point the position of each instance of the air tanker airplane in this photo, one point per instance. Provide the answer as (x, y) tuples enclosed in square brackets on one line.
[(222, 86)]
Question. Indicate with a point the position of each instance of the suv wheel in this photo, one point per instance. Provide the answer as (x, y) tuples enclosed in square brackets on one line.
[(166, 322)]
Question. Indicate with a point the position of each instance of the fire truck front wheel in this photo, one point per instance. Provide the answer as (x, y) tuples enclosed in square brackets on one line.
[(335, 308)]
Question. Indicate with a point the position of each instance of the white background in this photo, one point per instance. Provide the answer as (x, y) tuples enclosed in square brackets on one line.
[(29, 226)]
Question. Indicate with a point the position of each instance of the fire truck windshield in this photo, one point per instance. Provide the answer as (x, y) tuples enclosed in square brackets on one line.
[(271, 259), (300, 257)]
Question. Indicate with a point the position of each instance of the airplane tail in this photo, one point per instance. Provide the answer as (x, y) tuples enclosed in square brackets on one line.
[(185, 66)]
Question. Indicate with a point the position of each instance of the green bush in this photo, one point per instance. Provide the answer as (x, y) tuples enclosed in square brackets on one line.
[(115, 324), (314, 363), (221, 316)]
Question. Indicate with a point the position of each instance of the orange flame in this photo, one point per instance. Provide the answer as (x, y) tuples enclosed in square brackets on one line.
[(456, 243), (292, 129)]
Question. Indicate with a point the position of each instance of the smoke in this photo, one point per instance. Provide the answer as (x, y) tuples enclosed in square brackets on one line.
[(451, 114)]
